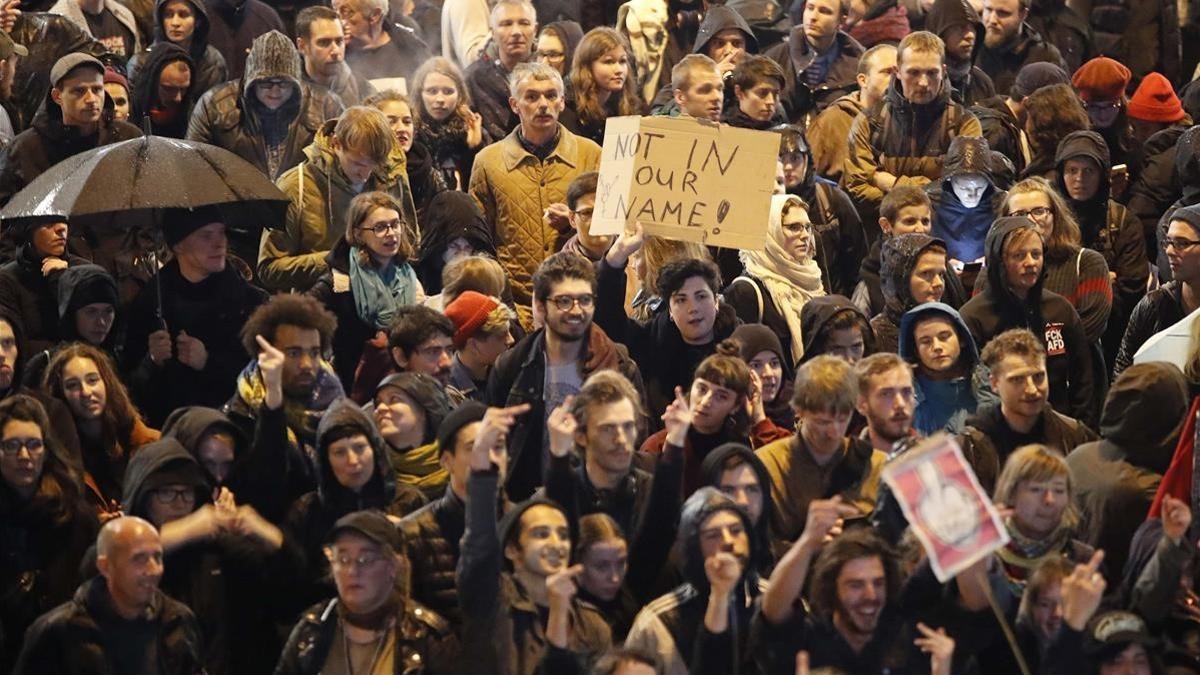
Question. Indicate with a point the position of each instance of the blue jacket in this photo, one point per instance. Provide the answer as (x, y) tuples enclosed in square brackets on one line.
[(940, 404)]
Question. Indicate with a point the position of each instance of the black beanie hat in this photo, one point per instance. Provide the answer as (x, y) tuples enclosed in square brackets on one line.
[(177, 224), (753, 338), (466, 413)]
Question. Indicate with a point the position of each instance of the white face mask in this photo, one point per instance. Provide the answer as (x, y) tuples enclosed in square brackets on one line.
[(969, 188)]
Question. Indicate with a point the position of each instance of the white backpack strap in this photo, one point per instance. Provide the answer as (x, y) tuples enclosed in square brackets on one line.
[(757, 294)]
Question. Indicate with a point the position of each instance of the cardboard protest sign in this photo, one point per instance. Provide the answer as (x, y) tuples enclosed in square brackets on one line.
[(686, 179), (945, 506)]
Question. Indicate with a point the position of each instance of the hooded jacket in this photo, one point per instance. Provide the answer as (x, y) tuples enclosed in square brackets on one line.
[(77, 287), (1115, 478), (899, 256), (971, 84), (716, 19), (672, 626), (1048, 315), (143, 95), (795, 54), (1157, 185), (1107, 226), (48, 141), (816, 315), (1187, 172), (941, 404), (31, 295), (904, 139), (210, 67), (451, 215), (963, 229), (234, 26), (230, 115), (1004, 62), (711, 470), (320, 193)]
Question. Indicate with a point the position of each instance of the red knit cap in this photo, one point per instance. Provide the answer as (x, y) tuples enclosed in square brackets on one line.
[(1101, 79), (1155, 101), (469, 312)]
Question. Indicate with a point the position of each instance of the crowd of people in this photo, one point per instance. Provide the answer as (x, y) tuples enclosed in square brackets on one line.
[(430, 422)]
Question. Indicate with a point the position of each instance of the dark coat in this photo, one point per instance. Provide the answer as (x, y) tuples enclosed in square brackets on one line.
[(1001, 129), (48, 37), (794, 54), (1003, 63), (235, 24), (446, 141), (971, 84), (32, 297), (987, 440), (842, 237), (1187, 172), (424, 641), (1158, 311), (1048, 315), (1157, 185), (487, 81), (143, 94), (519, 377), (570, 487), (212, 311), (1063, 28), (453, 214), (62, 422), (210, 69), (432, 535), (72, 638), (1144, 36)]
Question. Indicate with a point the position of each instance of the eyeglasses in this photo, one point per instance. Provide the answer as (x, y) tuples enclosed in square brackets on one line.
[(551, 55), (381, 229), (169, 495), (11, 447), (1035, 212), (564, 303), (274, 84), (1181, 245), (345, 562), (585, 213)]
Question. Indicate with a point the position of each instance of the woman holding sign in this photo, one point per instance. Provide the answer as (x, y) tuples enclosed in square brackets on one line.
[(782, 277), (602, 84)]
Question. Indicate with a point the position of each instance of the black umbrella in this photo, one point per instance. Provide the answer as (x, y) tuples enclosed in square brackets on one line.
[(137, 179)]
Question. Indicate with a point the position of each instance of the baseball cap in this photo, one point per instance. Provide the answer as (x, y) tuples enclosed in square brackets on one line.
[(8, 47), (1116, 628), (371, 524), (70, 62)]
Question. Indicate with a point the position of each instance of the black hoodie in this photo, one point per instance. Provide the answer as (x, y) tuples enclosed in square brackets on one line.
[(451, 214), (210, 64), (711, 469), (899, 256), (1187, 173), (143, 94), (717, 19), (818, 312), (1048, 315), (971, 84)]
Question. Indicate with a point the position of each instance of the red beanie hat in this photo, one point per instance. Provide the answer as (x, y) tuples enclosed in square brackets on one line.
[(1101, 79), (1155, 101), (469, 312)]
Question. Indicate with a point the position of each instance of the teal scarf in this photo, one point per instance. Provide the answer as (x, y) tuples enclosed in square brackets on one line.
[(379, 293)]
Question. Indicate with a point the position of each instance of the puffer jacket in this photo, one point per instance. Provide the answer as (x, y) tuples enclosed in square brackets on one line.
[(1048, 315), (1004, 62), (74, 12), (672, 627), (970, 83), (209, 68), (1144, 36), (899, 256), (294, 257), (1063, 28), (48, 37), (963, 229), (906, 140), (827, 135), (424, 641), (71, 639), (514, 188), (942, 404), (432, 535), (795, 54), (230, 116)]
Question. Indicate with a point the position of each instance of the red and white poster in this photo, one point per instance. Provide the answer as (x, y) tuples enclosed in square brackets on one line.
[(946, 507)]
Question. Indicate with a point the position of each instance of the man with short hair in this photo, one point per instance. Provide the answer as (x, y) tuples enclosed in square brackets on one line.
[(482, 332), (72, 119), (1016, 363), (321, 41), (1002, 117), (182, 344), (551, 364), (886, 399), (119, 620), (819, 60), (827, 132), (514, 26), (518, 178), (373, 622), (377, 47), (726, 38), (421, 340), (958, 25), (902, 140), (109, 22), (757, 82), (821, 461), (353, 154), (699, 89), (1009, 43), (581, 204)]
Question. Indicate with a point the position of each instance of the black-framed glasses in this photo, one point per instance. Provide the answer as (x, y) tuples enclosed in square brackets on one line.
[(11, 447), (1035, 212), (564, 303), (274, 84), (1181, 245), (170, 495), (381, 229)]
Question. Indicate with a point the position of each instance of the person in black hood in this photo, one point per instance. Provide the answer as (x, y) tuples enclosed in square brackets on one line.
[(164, 90), (735, 470), (959, 26), (726, 38), (354, 473), (171, 24), (1115, 478), (1014, 298), (1106, 226), (218, 557), (834, 325), (763, 353), (963, 201), (674, 627), (568, 35), (914, 272), (841, 237), (28, 283), (75, 116), (234, 26), (454, 227), (87, 312)]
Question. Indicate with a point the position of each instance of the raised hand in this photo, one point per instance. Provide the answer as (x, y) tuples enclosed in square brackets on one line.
[(628, 242), (939, 647), (474, 123), (492, 438), (562, 425), (9, 13), (561, 587), (1082, 591), (557, 216), (270, 367), (802, 663), (825, 520), (677, 419), (51, 265), (754, 402), (1176, 518), (723, 571)]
